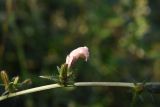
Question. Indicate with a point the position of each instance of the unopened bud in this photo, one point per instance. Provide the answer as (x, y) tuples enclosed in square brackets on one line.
[(81, 52)]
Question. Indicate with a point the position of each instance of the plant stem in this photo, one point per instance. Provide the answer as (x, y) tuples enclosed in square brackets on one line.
[(46, 87), (27, 91), (107, 84), (77, 84)]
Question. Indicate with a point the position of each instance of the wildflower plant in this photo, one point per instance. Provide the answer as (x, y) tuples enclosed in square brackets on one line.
[(65, 74), (65, 77)]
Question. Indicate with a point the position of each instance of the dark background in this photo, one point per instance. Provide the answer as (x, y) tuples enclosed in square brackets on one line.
[(123, 38)]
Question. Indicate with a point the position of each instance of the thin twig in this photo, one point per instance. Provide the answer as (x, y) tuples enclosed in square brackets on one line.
[(107, 84), (27, 91), (77, 84)]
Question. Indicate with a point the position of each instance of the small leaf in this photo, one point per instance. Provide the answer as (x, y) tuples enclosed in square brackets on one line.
[(46, 77), (58, 68), (5, 79), (54, 78), (27, 81), (5, 93), (15, 80)]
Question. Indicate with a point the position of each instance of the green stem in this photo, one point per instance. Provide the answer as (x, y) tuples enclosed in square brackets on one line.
[(77, 84), (107, 84)]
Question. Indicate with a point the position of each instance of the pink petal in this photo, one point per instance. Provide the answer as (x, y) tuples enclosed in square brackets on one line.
[(81, 52)]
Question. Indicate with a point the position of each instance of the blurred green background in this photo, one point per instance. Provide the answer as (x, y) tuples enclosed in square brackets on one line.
[(123, 38)]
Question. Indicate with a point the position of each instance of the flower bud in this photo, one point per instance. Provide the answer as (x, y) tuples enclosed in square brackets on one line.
[(81, 52)]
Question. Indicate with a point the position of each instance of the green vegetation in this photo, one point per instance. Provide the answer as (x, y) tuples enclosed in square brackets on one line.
[(122, 37)]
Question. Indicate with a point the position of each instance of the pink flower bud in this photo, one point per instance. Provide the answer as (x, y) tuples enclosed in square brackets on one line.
[(81, 52)]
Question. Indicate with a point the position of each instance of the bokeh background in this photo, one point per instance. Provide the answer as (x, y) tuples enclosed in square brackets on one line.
[(123, 37)]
